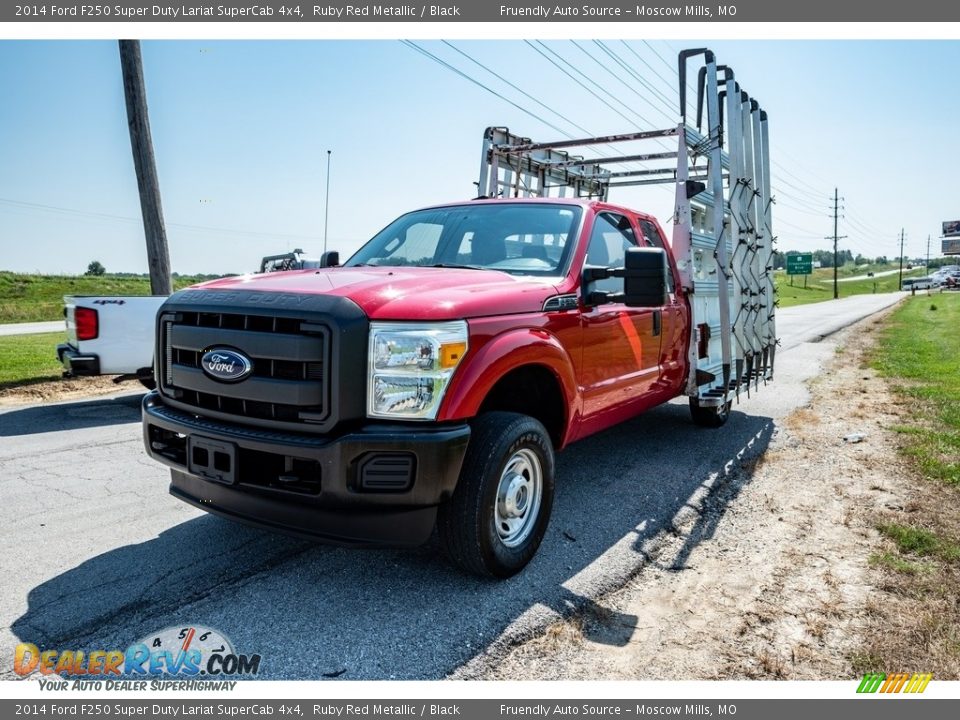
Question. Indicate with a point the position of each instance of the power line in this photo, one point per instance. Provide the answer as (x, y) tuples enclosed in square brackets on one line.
[(671, 105), (448, 66), (868, 226), (812, 188), (780, 203), (797, 227), (585, 87), (519, 90), (693, 90), (482, 85), (531, 97), (622, 81), (669, 84), (860, 227), (810, 196), (799, 164), (71, 212)]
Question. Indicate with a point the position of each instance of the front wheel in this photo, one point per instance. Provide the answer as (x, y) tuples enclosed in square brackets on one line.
[(498, 514), (711, 417)]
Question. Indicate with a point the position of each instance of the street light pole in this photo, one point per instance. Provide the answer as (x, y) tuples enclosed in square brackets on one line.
[(326, 209)]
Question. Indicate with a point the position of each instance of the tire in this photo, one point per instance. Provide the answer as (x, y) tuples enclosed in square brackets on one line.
[(710, 417), (498, 514)]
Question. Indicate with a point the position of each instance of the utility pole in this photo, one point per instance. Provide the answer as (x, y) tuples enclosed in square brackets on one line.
[(326, 207), (138, 122), (901, 257), (926, 268), (836, 209)]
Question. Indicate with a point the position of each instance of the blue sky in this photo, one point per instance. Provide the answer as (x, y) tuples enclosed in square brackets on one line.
[(241, 131)]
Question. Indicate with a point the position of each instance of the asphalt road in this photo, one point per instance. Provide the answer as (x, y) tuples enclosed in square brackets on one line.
[(879, 273), (98, 554), (31, 328)]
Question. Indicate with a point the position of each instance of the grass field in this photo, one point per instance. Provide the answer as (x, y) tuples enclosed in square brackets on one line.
[(921, 347), (35, 298), (29, 358), (919, 351), (820, 285)]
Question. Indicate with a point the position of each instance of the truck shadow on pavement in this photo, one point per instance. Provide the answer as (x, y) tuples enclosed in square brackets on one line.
[(38, 419), (314, 611)]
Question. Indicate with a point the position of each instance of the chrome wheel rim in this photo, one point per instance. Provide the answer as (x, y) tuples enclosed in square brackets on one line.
[(519, 494)]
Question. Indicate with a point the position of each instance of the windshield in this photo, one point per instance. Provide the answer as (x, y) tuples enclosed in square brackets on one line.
[(517, 238)]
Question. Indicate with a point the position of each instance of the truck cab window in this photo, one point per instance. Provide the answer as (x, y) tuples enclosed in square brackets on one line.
[(417, 245), (654, 239), (612, 234)]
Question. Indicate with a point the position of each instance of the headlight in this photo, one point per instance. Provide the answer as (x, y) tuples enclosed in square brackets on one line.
[(410, 366)]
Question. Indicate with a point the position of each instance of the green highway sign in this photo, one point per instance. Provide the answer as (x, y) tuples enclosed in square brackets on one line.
[(800, 264)]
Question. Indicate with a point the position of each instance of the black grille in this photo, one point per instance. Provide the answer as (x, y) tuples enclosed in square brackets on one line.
[(289, 355)]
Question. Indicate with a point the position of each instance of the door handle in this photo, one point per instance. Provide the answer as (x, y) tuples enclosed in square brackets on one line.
[(656, 323)]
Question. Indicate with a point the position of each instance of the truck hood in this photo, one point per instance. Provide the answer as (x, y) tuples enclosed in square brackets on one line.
[(408, 293)]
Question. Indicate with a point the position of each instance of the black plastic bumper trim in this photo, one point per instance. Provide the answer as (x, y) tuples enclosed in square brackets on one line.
[(75, 363), (379, 527), (339, 513)]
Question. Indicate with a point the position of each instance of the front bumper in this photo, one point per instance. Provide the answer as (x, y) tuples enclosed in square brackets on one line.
[(377, 485), (75, 363)]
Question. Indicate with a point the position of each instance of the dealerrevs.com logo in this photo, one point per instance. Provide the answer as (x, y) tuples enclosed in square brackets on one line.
[(191, 652)]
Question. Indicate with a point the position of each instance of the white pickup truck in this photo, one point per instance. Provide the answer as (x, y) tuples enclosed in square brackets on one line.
[(110, 336), (115, 335)]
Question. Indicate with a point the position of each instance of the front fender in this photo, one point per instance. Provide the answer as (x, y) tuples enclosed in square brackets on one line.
[(481, 370)]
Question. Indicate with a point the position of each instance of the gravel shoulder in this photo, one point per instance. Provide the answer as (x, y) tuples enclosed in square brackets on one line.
[(767, 574), (60, 390)]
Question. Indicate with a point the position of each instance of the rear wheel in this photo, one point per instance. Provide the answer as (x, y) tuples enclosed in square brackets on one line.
[(707, 416), (497, 517)]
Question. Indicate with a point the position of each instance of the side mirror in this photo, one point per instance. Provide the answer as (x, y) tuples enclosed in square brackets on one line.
[(645, 277), (331, 258)]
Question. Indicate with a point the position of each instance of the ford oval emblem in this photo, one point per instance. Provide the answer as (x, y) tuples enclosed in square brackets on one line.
[(226, 365)]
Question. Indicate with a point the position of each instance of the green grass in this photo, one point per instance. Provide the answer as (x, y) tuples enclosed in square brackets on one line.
[(921, 346), (919, 351), (29, 358), (820, 285), (895, 563), (912, 540), (35, 298)]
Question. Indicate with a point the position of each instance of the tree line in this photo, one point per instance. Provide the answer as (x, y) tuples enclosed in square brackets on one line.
[(825, 258)]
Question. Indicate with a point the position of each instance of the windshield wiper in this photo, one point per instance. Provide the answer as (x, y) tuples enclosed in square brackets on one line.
[(458, 267)]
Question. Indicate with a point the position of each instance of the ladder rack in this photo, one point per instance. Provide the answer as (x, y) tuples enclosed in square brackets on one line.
[(722, 224)]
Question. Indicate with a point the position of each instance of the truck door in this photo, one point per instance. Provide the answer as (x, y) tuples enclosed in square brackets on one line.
[(672, 323), (621, 345)]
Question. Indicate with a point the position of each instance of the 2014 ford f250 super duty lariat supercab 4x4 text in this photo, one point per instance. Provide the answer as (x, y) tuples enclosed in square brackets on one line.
[(429, 380)]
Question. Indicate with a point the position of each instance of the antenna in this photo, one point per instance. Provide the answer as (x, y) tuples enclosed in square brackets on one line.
[(326, 206)]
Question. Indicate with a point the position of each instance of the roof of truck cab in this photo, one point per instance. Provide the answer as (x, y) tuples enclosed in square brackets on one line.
[(580, 202)]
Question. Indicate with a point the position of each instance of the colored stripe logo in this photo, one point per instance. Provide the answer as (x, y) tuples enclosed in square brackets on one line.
[(894, 683)]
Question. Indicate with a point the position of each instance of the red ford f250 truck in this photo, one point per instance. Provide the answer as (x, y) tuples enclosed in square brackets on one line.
[(429, 380)]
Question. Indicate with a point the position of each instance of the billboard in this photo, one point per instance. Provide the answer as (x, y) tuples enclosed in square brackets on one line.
[(951, 228), (950, 246)]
